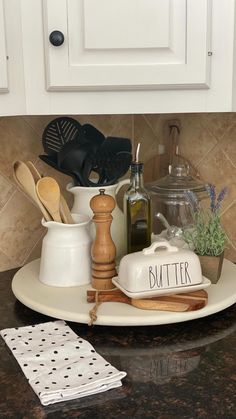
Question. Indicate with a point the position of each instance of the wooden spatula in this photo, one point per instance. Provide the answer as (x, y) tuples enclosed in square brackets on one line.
[(176, 302), (48, 192), (65, 212), (25, 180), (64, 209)]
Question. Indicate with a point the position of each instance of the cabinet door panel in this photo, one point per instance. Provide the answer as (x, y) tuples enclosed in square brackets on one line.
[(149, 28), (139, 44), (3, 58)]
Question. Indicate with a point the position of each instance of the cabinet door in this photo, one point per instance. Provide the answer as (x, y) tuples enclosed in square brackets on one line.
[(12, 84), (3, 58), (135, 44)]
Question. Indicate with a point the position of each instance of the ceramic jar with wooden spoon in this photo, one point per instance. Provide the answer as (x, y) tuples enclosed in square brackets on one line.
[(65, 257)]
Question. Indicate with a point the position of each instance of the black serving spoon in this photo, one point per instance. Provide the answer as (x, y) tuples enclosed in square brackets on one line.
[(72, 158), (59, 132), (52, 162)]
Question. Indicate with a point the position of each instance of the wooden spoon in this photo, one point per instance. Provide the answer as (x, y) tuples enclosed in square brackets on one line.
[(65, 212), (25, 180), (49, 194), (64, 209), (34, 171)]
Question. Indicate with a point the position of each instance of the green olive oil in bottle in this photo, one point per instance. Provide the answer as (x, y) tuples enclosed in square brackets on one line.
[(137, 209)]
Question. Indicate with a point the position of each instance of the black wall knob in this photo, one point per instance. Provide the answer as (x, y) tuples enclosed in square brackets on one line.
[(56, 38)]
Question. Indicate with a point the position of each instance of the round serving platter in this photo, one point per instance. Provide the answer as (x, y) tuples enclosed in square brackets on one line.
[(69, 303)]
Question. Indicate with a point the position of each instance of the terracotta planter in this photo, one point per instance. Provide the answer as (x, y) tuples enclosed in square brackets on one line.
[(212, 266)]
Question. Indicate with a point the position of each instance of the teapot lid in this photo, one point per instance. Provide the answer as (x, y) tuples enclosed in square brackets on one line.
[(176, 183)]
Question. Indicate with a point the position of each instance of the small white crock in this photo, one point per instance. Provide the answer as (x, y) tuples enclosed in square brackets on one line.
[(160, 266), (65, 258)]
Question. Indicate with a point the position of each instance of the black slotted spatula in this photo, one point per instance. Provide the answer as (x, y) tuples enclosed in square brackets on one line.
[(59, 132)]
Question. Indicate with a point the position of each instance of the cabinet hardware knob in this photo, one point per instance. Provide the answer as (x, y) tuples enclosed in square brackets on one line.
[(56, 38)]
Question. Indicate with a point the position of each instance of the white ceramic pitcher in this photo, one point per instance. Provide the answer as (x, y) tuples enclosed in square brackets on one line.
[(82, 197), (65, 258)]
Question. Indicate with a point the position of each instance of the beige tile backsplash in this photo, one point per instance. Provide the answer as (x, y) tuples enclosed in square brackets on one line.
[(208, 141)]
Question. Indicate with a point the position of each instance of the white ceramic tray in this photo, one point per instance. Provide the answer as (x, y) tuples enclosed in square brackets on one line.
[(70, 303), (177, 290)]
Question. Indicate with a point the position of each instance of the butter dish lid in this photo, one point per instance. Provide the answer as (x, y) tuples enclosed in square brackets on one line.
[(159, 248)]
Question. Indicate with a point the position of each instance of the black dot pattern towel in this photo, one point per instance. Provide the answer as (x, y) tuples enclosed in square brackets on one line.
[(58, 364)]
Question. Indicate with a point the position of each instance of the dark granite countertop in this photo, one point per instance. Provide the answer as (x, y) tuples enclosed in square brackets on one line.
[(186, 370)]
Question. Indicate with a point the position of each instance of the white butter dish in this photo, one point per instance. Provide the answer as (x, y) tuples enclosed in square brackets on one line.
[(160, 267), (157, 293)]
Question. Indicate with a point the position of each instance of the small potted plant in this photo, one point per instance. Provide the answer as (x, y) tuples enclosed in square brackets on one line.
[(207, 237)]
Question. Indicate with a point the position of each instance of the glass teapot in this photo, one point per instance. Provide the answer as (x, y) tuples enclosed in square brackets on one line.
[(169, 199)]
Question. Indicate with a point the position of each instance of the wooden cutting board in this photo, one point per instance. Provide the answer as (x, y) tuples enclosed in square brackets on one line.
[(176, 302)]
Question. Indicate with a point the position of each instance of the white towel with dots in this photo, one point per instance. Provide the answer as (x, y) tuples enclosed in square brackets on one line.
[(58, 364)]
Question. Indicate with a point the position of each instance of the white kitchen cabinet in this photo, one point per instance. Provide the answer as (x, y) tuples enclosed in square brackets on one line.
[(140, 56), (12, 89), (3, 54), (110, 44)]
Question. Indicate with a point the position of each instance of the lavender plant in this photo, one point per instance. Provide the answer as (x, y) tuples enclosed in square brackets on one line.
[(207, 236)]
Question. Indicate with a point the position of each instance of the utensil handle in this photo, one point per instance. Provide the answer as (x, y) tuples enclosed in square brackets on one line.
[(159, 305), (65, 211), (114, 296)]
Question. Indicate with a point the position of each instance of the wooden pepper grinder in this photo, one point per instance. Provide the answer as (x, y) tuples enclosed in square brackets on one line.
[(103, 249)]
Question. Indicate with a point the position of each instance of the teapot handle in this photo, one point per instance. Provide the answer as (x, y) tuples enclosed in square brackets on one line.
[(162, 243), (120, 184)]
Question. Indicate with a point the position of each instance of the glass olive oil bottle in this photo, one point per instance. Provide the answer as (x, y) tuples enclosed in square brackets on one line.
[(137, 208)]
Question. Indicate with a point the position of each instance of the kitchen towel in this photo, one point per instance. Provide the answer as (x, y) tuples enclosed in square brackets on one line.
[(58, 364)]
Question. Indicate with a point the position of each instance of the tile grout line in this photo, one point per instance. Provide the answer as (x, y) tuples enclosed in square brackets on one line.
[(2, 251), (228, 158), (34, 246), (205, 126), (9, 200), (114, 127), (31, 126), (150, 125), (231, 243), (10, 259), (210, 150), (228, 207)]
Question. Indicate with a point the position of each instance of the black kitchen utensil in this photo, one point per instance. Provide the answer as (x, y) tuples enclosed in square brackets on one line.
[(59, 132), (118, 167), (80, 151), (80, 145), (117, 144), (52, 161), (93, 135), (72, 157), (110, 167), (108, 161)]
